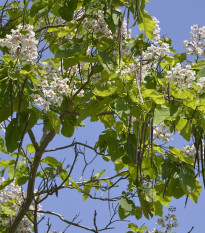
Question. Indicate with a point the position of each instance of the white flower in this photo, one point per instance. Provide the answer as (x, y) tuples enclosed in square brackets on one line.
[(197, 44), (183, 77), (14, 192), (162, 133), (22, 45), (160, 221)]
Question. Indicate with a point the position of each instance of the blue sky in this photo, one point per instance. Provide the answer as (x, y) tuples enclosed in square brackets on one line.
[(175, 18)]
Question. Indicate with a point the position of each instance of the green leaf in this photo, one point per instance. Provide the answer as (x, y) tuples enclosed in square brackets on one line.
[(200, 74), (181, 155), (39, 7), (160, 114), (198, 65), (67, 9), (92, 6), (157, 97), (75, 185), (138, 212), (194, 196), (86, 190), (51, 161), (126, 208), (147, 25), (122, 109), (180, 94), (3, 74), (158, 208), (6, 183), (54, 120), (21, 180), (93, 108), (13, 135), (164, 112), (68, 126), (177, 190), (19, 169), (7, 209), (181, 57), (187, 180), (30, 148), (69, 49), (99, 174), (6, 163), (134, 228), (105, 61), (64, 176), (104, 91), (164, 199), (2, 147), (48, 172)]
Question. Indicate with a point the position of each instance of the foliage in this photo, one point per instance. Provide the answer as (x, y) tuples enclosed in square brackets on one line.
[(138, 87)]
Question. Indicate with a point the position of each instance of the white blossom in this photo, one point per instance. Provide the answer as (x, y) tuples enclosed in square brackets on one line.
[(182, 76), (22, 43), (162, 133), (197, 44), (14, 196)]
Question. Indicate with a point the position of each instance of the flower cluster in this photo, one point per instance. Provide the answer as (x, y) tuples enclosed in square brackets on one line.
[(197, 44), (53, 88), (155, 52), (162, 133), (13, 197), (156, 33), (97, 24), (201, 84), (169, 222), (182, 76), (22, 43), (191, 151)]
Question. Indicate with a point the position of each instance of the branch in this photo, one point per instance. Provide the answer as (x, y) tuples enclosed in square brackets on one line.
[(94, 220), (71, 145), (33, 139), (66, 221), (31, 182), (191, 230), (22, 138), (86, 183)]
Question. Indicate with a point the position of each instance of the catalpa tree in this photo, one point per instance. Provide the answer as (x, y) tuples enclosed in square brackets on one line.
[(65, 61)]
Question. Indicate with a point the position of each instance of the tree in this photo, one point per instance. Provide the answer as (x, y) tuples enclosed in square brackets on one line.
[(137, 87)]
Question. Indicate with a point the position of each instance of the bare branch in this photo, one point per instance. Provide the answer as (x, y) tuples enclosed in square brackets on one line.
[(66, 221), (73, 144)]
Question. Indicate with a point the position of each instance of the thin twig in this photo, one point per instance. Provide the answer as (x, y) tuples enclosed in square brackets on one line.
[(191, 230), (71, 145), (66, 221)]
